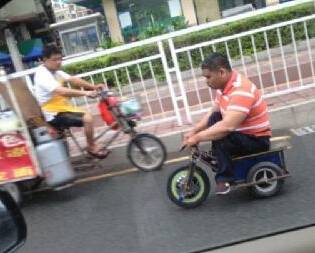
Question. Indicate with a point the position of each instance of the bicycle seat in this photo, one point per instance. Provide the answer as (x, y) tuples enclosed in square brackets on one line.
[(280, 142)]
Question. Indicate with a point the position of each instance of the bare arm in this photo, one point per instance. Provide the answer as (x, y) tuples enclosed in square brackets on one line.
[(82, 83), (230, 123), (203, 123), (67, 92)]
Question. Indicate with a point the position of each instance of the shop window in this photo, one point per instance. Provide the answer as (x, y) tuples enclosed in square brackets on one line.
[(79, 41), (229, 4), (60, 18), (137, 15), (71, 7), (283, 1)]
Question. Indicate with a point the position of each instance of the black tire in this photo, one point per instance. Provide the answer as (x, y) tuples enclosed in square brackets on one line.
[(30, 185), (146, 162), (14, 190), (197, 196), (262, 171)]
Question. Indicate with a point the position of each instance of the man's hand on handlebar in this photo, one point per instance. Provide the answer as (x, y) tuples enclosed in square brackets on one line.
[(191, 141), (188, 135), (91, 94), (100, 86), (192, 148)]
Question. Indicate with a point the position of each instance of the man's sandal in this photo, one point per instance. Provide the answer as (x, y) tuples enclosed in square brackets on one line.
[(101, 154)]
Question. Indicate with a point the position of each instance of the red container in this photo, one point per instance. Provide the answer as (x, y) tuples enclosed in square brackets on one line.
[(106, 114)]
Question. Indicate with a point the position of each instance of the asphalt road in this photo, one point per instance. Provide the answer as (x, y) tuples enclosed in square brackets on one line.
[(131, 213)]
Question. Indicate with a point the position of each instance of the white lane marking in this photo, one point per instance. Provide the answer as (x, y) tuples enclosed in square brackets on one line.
[(303, 130)]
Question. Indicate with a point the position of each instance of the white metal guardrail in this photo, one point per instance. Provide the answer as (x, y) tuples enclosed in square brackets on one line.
[(181, 93), (295, 60)]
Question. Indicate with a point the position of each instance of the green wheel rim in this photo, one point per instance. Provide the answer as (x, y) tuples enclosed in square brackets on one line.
[(174, 189)]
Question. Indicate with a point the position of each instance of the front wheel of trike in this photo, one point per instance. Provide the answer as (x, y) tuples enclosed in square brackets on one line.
[(185, 193), (146, 152)]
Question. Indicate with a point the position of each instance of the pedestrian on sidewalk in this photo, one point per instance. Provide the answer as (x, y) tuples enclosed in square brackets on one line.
[(237, 124)]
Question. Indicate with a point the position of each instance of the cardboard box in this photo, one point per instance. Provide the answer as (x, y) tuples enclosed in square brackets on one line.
[(29, 107)]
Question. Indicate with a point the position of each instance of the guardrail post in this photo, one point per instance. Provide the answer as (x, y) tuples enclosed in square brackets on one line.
[(182, 97), (167, 72)]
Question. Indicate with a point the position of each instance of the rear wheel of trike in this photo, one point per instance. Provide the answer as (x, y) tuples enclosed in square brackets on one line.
[(146, 152), (264, 175), (188, 195)]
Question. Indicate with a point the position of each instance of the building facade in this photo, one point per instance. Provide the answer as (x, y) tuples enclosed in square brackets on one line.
[(25, 32), (80, 25), (80, 35), (64, 11), (126, 19), (129, 20)]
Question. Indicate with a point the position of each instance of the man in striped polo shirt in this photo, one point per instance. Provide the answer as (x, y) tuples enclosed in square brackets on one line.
[(237, 124)]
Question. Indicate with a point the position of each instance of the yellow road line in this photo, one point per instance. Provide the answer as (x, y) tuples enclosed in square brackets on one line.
[(124, 172), (179, 159), (113, 174)]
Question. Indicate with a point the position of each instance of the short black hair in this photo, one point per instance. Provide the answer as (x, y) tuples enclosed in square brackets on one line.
[(215, 61), (50, 50)]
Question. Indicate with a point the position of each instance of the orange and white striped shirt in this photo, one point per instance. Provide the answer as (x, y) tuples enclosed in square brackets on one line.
[(241, 95)]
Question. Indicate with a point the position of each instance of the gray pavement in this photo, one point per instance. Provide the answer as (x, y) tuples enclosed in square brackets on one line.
[(132, 213)]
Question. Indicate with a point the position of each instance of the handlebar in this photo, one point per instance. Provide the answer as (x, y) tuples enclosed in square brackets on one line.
[(193, 149), (105, 93), (182, 148)]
